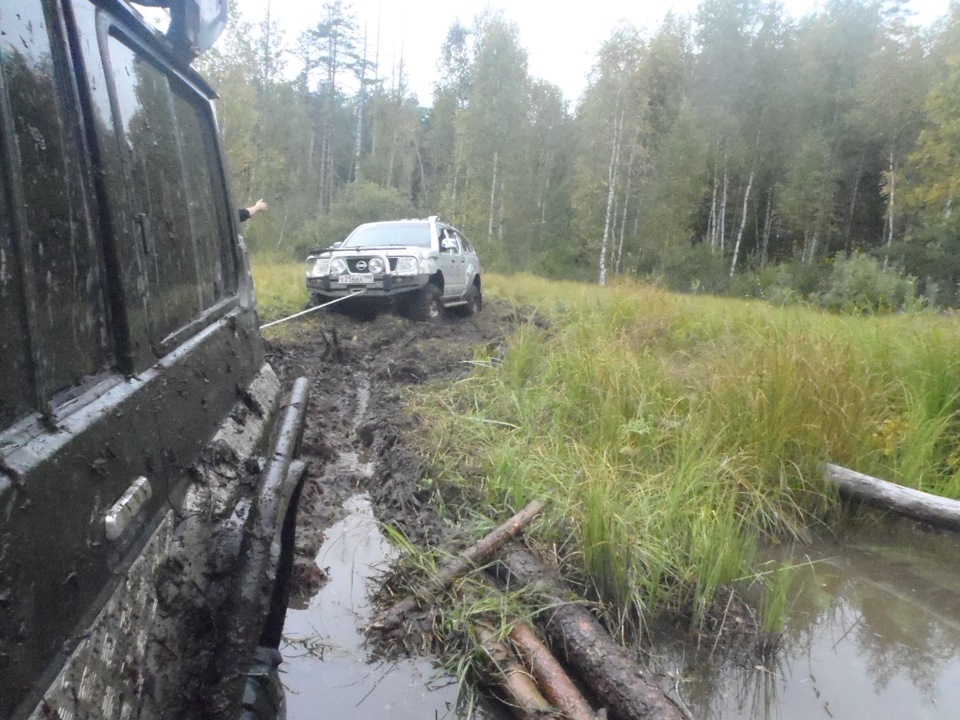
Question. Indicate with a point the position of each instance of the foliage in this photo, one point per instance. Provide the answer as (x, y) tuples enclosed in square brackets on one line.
[(861, 285), (360, 202), (736, 137)]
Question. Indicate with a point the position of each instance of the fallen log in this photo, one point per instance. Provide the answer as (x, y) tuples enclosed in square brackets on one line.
[(915, 504), (476, 554), (617, 681), (553, 680), (522, 694)]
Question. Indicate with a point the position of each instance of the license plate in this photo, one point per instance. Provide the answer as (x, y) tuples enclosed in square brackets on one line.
[(357, 279)]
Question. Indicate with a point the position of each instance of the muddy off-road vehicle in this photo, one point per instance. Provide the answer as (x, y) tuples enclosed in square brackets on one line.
[(425, 266), (149, 467)]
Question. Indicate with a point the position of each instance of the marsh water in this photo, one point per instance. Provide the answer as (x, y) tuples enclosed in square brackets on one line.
[(873, 632), (327, 671)]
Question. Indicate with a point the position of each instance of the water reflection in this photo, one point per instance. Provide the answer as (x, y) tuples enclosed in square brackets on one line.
[(326, 664), (873, 632)]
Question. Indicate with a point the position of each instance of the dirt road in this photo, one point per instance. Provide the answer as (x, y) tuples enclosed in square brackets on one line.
[(358, 434)]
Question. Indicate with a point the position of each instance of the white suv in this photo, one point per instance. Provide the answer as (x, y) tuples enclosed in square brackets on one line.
[(426, 265)]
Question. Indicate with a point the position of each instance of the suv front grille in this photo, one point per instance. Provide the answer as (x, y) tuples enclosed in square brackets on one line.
[(352, 264)]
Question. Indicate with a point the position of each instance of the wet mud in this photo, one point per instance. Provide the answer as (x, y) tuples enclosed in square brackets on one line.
[(364, 469), (358, 435)]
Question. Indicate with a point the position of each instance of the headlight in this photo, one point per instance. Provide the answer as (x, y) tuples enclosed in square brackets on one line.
[(407, 266), (338, 267), (375, 266), (320, 268)]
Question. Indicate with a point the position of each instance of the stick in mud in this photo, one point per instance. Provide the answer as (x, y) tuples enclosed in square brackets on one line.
[(616, 680), (476, 554)]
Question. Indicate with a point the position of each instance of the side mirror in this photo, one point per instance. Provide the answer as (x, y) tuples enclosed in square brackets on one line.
[(337, 244), (448, 245), (195, 25)]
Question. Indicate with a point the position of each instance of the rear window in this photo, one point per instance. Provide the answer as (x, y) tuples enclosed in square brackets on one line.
[(389, 235)]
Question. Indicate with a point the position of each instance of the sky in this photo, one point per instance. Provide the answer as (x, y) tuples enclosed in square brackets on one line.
[(561, 38)]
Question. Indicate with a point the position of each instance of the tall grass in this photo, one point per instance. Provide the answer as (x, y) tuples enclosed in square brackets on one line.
[(279, 286), (673, 434)]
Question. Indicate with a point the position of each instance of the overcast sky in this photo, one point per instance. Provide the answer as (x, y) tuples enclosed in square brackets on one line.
[(561, 38)]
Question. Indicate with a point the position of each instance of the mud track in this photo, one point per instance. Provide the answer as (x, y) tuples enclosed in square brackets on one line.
[(358, 437)]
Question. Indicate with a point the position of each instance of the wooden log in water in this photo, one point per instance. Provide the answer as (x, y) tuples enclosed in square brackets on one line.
[(522, 694), (619, 683), (915, 504), (552, 679)]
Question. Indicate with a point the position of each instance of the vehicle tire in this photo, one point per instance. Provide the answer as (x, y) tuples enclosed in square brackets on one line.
[(424, 304), (474, 300)]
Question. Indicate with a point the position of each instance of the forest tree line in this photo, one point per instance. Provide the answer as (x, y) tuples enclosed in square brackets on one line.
[(738, 150)]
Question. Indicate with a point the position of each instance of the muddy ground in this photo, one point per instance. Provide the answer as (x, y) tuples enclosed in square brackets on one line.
[(358, 437)]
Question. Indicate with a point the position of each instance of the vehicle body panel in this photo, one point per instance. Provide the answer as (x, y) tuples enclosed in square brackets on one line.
[(134, 381)]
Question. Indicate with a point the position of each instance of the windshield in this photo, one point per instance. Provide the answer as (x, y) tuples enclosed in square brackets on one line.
[(388, 234)]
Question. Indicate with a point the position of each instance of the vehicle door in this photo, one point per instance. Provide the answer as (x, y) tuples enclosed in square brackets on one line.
[(451, 263), (73, 435), (117, 269), (471, 262)]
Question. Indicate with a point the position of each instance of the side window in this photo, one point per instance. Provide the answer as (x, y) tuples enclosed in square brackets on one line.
[(449, 235), (465, 244), (16, 382), (206, 201), (50, 276), (176, 192)]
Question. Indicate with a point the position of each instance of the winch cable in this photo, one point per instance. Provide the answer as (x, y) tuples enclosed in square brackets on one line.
[(313, 309)]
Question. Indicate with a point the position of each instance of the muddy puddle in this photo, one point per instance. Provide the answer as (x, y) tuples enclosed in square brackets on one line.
[(327, 671), (873, 632)]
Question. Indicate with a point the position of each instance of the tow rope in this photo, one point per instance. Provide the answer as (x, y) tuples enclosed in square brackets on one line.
[(313, 309)]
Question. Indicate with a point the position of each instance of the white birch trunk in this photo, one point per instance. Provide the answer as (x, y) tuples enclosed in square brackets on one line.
[(500, 203), (543, 207), (456, 176), (712, 220), (393, 157), (493, 193), (743, 223), (611, 192), (853, 204), (766, 232), (814, 241), (890, 207), (626, 202), (721, 228)]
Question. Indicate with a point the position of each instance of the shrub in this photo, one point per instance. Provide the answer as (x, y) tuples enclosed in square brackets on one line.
[(360, 202), (695, 269), (860, 285)]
